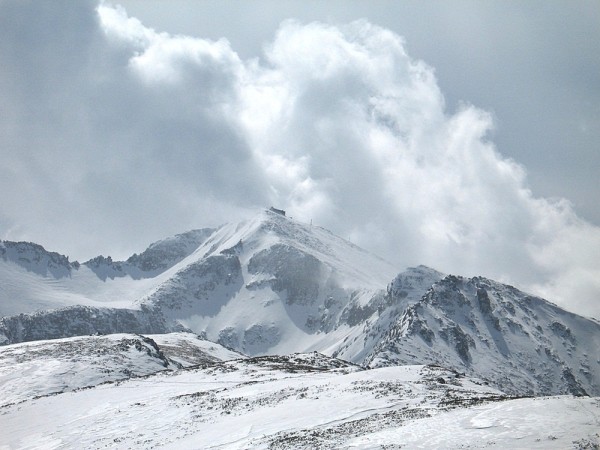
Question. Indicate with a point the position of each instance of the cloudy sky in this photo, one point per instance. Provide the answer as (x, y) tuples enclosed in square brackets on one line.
[(461, 135)]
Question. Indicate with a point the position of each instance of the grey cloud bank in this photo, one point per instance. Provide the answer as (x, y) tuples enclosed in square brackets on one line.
[(114, 135)]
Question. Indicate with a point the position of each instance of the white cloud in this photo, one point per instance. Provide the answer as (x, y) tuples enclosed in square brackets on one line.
[(134, 134)]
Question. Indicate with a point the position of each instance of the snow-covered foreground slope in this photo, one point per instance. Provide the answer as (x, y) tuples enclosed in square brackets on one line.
[(298, 401), (41, 368), (562, 422)]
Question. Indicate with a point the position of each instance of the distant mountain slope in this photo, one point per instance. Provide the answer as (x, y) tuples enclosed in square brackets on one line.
[(157, 258), (522, 344), (81, 321), (35, 258), (266, 285), (371, 321), (34, 279)]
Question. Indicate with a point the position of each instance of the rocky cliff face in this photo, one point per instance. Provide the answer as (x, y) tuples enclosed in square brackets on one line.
[(81, 321), (520, 343), (36, 259)]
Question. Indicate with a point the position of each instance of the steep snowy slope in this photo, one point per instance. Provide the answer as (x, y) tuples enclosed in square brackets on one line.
[(42, 368), (522, 344), (298, 401), (273, 285)]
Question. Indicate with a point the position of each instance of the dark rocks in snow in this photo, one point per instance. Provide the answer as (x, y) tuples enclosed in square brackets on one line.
[(562, 331), (235, 250), (484, 301), (191, 290), (302, 362), (573, 386), (296, 272), (355, 313), (460, 340), (229, 338), (419, 327), (260, 338)]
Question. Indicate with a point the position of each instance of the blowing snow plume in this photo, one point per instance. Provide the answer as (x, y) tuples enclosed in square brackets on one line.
[(114, 130)]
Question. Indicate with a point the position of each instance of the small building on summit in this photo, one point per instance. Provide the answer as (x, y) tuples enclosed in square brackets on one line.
[(281, 212)]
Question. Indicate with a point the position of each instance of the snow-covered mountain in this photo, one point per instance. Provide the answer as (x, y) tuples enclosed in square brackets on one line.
[(272, 285), (375, 358), (522, 344), (267, 285), (34, 258)]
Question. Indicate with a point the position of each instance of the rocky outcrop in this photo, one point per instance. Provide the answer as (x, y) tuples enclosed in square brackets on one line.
[(521, 344)]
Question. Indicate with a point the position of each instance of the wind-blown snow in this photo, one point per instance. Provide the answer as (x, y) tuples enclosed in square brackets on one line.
[(298, 401), (42, 368)]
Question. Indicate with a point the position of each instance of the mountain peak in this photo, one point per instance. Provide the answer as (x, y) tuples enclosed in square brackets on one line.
[(267, 229)]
